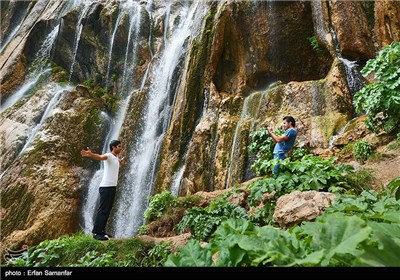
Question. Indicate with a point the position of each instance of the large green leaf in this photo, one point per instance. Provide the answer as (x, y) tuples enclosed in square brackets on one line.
[(391, 230), (192, 254), (338, 235), (389, 255)]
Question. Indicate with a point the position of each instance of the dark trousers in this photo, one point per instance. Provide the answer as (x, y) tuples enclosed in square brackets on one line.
[(281, 156), (107, 195)]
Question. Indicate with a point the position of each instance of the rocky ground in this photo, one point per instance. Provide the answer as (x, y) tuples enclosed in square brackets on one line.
[(385, 169)]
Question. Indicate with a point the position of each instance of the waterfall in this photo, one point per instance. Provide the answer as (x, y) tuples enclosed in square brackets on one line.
[(112, 45), (4, 41), (39, 71), (115, 124), (176, 181), (79, 27), (355, 80), (130, 56), (338, 134), (56, 91), (155, 120), (319, 22), (248, 113)]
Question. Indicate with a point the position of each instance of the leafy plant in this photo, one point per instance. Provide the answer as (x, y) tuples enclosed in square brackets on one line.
[(314, 43), (202, 222), (362, 150), (158, 204), (94, 259), (262, 145), (394, 187), (159, 254), (381, 98), (297, 153), (356, 230), (308, 173)]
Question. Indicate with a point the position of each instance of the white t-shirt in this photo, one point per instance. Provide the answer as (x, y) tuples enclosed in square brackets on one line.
[(111, 169)]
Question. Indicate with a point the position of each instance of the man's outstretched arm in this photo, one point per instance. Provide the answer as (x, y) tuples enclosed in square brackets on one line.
[(88, 153)]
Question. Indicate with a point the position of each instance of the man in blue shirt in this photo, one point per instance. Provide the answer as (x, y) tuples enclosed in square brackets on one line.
[(284, 142)]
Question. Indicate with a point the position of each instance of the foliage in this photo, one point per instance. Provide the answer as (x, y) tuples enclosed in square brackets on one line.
[(394, 188), (158, 255), (103, 95), (60, 74), (82, 250), (94, 259), (314, 43), (362, 150), (203, 221), (308, 173), (158, 204), (298, 153), (360, 180), (357, 230), (263, 146), (191, 255), (381, 98)]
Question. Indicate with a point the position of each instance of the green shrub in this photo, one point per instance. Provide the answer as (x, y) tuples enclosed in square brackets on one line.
[(202, 222), (262, 145), (380, 100), (158, 204), (314, 43), (362, 150)]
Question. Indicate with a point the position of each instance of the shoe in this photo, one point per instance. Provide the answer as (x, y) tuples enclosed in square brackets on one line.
[(100, 237), (106, 234)]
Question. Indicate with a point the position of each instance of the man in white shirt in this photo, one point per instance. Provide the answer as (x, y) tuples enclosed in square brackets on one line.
[(108, 186)]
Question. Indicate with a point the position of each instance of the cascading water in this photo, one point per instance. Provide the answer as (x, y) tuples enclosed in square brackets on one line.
[(355, 80), (248, 113), (130, 62), (155, 120), (41, 70), (4, 41), (118, 21), (56, 91), (132, 9), (79, 27)]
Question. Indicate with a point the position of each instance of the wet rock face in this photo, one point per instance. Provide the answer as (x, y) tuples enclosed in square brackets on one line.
[(41, 194), (387, 22), (263, 42), (17, 125), (353, 34)]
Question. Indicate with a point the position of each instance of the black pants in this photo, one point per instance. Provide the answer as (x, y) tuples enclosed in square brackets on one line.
[(107, 195)]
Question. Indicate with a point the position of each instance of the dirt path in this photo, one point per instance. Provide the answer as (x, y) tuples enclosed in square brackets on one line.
[(385, 169)]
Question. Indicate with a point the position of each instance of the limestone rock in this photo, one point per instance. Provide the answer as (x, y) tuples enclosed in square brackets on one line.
[(296, 207)]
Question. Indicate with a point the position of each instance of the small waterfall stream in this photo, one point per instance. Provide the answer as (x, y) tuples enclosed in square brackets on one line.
[(90, 201), (79, 27), (155, 120), (41, 69)]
